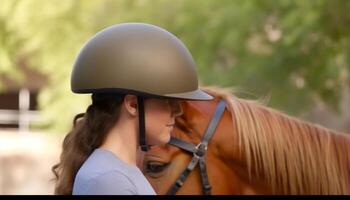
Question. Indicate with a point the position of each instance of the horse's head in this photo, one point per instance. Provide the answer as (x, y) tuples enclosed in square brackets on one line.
[(164, 164), (253, 150)]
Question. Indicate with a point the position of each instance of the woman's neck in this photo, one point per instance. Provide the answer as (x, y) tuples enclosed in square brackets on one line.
[(122, 140)]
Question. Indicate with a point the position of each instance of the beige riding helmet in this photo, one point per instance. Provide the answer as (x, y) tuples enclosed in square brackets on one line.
[(136, 58)]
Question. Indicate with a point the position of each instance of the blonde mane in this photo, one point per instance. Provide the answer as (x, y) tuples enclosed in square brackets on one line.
[(293, 156)]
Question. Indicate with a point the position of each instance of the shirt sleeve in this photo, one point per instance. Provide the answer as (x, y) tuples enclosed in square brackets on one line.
[(111, 183)]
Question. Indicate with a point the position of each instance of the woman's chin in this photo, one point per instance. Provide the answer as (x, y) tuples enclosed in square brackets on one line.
[(163, 139)]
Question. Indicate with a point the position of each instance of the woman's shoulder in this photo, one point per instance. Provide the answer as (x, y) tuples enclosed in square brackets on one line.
[(110, 182), (99, 162), (103, 172)]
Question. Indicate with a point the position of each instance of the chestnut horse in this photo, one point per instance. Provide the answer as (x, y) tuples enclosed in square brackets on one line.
[(254, 150)]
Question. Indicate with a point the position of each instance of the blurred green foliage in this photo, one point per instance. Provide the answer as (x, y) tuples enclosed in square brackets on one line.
[(296, 52)]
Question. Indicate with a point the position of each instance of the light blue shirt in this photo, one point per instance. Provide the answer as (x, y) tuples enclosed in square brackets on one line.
[(103, 173)]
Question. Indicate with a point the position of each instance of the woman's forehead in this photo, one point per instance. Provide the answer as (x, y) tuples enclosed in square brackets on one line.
[(165, 100), (174, 104), (174, 101)]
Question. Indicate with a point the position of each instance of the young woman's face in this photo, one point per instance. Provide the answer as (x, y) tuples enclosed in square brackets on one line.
[(160, 119)]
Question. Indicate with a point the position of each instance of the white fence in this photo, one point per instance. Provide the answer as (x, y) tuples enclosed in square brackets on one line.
[(23, 117)]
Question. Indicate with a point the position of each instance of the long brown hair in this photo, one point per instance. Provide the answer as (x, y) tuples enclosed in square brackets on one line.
[(86, 135)]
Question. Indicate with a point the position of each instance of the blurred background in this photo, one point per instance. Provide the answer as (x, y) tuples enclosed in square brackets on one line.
[(294, 55)]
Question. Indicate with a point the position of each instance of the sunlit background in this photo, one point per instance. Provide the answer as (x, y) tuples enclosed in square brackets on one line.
[(293, 55)]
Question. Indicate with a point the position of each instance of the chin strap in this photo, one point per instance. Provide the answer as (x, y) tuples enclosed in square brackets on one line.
[(142, 131)]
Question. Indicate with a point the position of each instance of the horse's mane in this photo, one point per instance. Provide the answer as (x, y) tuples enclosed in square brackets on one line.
[(293, 156)]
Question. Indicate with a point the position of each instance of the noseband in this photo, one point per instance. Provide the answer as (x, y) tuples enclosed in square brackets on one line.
[(198, 151)]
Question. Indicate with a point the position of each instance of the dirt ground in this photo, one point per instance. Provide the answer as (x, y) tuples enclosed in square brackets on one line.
[(26, 160)]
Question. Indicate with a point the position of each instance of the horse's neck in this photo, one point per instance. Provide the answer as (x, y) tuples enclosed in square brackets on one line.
[(290, 154)]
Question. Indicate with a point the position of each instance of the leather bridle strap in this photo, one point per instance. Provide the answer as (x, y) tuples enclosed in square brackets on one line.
[(198, 152), (190, 148), (142, 128)]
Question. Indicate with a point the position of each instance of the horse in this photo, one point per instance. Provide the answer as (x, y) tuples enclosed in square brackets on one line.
[(254, 149)]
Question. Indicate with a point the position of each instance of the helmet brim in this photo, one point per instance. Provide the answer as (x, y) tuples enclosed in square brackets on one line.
[(193, 95)]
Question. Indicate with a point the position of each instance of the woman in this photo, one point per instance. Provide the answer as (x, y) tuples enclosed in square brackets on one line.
[(137, 74)]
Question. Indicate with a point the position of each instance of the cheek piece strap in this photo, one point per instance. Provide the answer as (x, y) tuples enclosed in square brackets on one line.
[(142, 131)]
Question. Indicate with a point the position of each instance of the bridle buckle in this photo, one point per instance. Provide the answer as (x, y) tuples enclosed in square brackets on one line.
[(201, 149), (179, 183)]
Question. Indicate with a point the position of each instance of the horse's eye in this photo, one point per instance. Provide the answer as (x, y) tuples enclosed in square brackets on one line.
[(155, 167)]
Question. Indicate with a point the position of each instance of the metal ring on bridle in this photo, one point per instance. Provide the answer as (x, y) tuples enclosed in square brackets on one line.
[(201, 150)]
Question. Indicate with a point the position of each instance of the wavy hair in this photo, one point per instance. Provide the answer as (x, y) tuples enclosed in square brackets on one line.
[(88, 133)]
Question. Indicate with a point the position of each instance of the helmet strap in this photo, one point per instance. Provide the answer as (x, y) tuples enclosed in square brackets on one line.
[(142, 129)]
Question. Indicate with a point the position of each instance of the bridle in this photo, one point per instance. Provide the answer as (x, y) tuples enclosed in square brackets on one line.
[(199, 152)]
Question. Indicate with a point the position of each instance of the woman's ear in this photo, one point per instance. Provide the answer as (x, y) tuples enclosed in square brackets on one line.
[(130, 104)]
